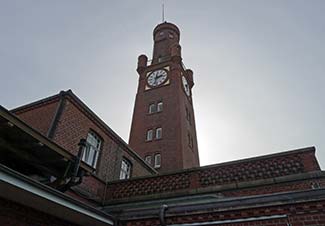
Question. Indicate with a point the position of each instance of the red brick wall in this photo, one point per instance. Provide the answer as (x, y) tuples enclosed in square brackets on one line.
[(75, 124), (291, 163), (302, 214), (39, 117), (173, 147), (176, 154), (13, 214)]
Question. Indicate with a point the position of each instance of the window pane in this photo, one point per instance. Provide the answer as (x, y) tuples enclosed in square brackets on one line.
[(125, 172), (158, 133), (148, 159), (152, 108), (149, 134), (159, 106), (91, 152), (157, 160)]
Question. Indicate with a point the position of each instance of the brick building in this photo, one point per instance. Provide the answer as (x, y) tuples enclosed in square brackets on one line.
[(60, 164)]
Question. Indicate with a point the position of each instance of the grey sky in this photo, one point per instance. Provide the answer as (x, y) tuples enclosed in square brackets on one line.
[(258, 65)]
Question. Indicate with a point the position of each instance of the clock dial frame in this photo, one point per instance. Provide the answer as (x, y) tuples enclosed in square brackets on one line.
[(157, 78), (186, 86)]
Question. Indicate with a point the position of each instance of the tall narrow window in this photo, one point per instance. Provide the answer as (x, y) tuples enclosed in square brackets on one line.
[(157, 160), (188, 115), (148, 159), (91, 152), (152, 108), (159, 133), (125, 172), (190, 139), (159, 106), (149, 135)]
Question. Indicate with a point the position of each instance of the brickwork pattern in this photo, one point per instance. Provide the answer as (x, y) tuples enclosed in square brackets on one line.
[(149, 186), (39, 118), (75, 124), (222, 174), (250, 171)]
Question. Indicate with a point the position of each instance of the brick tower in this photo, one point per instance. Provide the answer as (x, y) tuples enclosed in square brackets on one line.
[(163, 126)]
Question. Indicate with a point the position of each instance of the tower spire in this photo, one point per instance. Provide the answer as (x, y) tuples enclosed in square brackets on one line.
[(163, 11)]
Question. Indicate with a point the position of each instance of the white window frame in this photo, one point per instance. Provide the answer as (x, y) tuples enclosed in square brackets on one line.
[(126, 167), (160, 106), (159, 133), (157, 160), (148, 159), (149, 135), (152, 108), (93, 146)]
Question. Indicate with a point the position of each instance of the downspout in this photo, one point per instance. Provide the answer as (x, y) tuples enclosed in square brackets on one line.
[(162, 212), (57, 115), (76, 175)]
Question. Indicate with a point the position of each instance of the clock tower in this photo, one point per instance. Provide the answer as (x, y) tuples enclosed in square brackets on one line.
[(163, 126)]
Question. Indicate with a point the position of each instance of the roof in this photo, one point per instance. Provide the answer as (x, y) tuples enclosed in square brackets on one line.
[(18, 140), (23, 190), (89, 113)]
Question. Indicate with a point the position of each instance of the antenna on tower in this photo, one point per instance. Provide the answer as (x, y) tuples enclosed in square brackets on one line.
[(163, 12)]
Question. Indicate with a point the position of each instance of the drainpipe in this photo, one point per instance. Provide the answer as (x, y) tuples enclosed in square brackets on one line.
[(57, 115), (76, 176), (162, 212)]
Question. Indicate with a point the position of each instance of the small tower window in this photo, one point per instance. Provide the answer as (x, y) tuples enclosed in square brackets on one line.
[(157, 160), (152, 108), (125, 172), (190, 140), (149, 135), (148, 159), (159, 133), (91, 152), (159, 106)]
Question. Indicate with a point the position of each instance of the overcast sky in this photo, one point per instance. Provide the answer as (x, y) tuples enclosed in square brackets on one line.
[(258, 65)]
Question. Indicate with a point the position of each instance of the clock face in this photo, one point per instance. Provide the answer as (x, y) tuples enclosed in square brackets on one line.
[(157, 78), (186, 86)]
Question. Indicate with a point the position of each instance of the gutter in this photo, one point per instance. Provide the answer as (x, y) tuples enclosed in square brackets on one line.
[(29, 193), (242, 220)]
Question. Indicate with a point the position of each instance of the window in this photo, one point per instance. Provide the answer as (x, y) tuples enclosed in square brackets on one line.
[(159, 106), (148, 159), (157, 160), (125, 169), (91, 152), (188, 115), (159, 133), (152, 108), (149, 135), (190, 140)]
